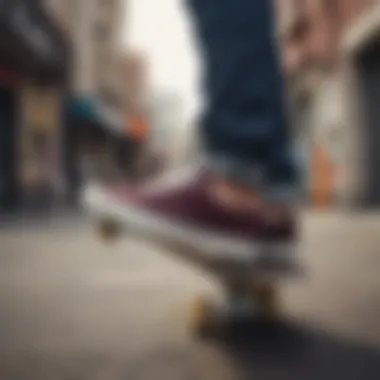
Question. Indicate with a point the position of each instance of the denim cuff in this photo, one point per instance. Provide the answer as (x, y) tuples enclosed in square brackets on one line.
[(282, 193), (238, 171), (248, 175)]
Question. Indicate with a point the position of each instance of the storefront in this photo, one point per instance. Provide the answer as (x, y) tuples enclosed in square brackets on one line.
[(361, 52), (8, 169), (93, 140), (32, 50), (369, 73), (40, 161)]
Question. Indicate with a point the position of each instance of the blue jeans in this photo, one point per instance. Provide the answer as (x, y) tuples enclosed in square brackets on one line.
[(245, 127)]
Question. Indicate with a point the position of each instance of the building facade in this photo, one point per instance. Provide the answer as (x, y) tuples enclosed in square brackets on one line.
[(34, 53), (134, 90), (361, 56), (95, 28), (329, 50), (94, 116), (168, 136)]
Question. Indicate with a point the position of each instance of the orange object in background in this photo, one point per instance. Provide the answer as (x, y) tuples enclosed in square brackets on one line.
[(137, 127), (322, 178)]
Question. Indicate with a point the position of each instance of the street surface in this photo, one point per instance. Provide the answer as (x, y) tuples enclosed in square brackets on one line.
[(71, 308)]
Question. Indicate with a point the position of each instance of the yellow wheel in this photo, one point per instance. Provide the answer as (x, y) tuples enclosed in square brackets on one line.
[(107, 230), (268, 301), (202, 316)]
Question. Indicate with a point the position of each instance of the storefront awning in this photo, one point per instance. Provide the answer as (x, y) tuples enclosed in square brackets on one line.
[(30, 39), (91, 111)]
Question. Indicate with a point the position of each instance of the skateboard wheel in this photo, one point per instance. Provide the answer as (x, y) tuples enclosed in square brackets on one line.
[(202, 316), (268, 302), (107, 230)]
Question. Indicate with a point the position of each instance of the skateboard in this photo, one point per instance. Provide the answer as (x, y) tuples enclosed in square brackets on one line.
[(250, 290)]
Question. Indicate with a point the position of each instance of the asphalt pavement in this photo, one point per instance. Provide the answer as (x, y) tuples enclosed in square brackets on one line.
[(72, 308)]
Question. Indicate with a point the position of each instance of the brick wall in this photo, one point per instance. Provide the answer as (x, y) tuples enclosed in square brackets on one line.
[(317, 39), (349, 10), (313, 29)]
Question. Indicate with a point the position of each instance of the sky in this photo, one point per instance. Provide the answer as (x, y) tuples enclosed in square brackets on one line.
[(162, 30)]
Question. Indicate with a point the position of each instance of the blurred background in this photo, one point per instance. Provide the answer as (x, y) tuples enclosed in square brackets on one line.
[(77, 102), (108, 90)]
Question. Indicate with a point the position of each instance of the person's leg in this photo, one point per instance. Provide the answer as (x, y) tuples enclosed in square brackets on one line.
[(218, 208), (245, 127)]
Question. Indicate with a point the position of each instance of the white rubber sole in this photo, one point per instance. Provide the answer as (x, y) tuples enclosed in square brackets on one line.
[(99, 205)]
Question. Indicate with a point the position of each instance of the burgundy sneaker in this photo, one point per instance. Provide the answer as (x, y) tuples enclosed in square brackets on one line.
[(180, 210)]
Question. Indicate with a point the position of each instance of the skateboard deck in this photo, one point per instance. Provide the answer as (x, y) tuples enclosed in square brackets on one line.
[(256, 280), (111, 224), (223, 267)]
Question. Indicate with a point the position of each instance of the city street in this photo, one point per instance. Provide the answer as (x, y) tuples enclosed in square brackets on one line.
[(72, 308)]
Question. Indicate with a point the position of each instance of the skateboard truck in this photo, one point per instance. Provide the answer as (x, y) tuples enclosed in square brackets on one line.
[(241, 303), (255, 286), (107, 229)]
